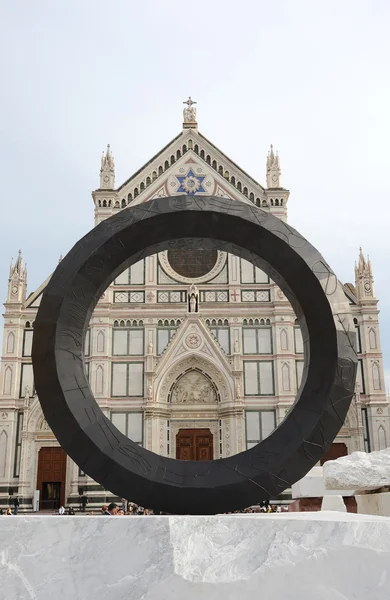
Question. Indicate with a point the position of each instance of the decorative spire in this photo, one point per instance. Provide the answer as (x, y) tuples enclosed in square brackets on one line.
[(107, 170), (364, 280), (189, 114), (18, 267), (273, 169), (17, 282)]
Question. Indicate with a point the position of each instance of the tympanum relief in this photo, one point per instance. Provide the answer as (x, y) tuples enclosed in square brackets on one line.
[(194, 388)]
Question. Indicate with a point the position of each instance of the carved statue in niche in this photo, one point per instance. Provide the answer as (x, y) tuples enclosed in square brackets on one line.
[(194, 388), (150, 347), (193, 299)]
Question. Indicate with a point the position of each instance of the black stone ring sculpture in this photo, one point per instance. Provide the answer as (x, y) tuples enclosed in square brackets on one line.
[(190, 487)]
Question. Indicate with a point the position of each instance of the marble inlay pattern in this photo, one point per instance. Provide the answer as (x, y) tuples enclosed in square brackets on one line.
[(286, 556)]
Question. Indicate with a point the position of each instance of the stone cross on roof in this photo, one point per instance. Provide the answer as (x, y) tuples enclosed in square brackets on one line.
[(189, 113)]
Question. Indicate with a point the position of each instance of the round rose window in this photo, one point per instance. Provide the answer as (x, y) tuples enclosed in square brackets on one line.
[(192, 263)]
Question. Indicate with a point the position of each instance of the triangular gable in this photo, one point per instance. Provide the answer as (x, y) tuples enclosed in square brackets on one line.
[(150, 162), (191, 149), (192, 338), (190, 168), (351, 297), (34, 299)]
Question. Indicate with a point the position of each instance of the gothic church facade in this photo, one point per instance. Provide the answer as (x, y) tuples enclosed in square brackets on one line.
[(195, 354)]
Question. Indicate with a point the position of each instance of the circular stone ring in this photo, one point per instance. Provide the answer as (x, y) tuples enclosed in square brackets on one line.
[(194, 487)]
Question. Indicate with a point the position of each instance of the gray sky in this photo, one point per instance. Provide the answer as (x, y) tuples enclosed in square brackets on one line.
[(312, 78)]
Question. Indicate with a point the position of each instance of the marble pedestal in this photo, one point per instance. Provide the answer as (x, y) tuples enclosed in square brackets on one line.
[(374, 504), (285, 556)]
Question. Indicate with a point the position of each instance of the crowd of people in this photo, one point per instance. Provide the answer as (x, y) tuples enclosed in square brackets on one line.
[(129, 508)]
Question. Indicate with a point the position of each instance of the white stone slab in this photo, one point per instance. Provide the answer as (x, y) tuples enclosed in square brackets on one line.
[(317, 555), (358, 471), (374, 504), (313, 486), (333, 503)]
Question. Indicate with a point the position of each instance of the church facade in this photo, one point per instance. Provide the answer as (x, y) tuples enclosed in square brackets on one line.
[(192, 353)]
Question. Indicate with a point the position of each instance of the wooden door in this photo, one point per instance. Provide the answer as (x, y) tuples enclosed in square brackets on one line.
[(51, 477), (335, 451), (194, 444)]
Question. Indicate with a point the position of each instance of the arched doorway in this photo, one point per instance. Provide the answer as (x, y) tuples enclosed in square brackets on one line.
[(194, 400)]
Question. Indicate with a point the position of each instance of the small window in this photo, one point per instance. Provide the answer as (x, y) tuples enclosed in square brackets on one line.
[(259, 425), (258, 378), (130, 424), (298, 340), (127, 379), (257, 340)]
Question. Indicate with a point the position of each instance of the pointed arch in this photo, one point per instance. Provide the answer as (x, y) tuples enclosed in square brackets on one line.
[(372, 339), (3, 452), (283, 340), (286, 377), (10, 343), (174, 367), (382, 441), (99, 379), (7, 386), (100, 341), (376, 377)]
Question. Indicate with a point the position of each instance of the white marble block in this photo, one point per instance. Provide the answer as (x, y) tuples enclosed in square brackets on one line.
[(373, 504), (313, 486), (358, 471), (333, 503), (285, 556)]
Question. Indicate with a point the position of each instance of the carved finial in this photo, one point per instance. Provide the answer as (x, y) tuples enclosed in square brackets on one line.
[(107, 170), (364, 280), (189, 114), (273, 169)]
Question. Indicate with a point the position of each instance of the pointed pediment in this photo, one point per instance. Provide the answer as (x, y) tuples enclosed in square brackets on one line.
[(193, 338), (34, 299), (191, 164)]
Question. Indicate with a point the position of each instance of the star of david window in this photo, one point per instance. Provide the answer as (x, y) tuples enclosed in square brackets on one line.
[(191, 184), (192, 262)]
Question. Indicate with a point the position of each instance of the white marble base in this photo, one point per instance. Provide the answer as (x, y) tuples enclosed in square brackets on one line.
[(333, 503), (374, 504), (319, 555)]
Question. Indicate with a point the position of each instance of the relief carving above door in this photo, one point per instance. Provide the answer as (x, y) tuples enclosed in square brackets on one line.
[(194, 388)]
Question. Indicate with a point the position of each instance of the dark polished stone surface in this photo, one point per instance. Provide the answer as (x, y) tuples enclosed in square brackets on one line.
[(190, 487)]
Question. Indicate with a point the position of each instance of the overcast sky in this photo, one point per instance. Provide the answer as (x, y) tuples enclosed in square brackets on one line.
[(312, 78)]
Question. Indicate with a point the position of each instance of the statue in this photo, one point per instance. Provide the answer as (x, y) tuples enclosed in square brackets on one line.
[(236, 346), (193, 299), (238, 390), (150, 392), (27, 392), (189, 114), (150, 347)]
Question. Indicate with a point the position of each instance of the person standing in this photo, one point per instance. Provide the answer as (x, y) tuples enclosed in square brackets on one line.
[(83, 502), (16, 505)]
